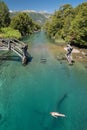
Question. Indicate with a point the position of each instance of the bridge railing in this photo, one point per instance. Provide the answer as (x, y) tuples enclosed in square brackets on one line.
[(16, 46)]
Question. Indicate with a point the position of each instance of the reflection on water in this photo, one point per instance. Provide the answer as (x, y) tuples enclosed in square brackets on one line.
[(29, 93)]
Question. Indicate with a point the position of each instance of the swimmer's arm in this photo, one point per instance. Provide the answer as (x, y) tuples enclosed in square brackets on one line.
[(53, 115)]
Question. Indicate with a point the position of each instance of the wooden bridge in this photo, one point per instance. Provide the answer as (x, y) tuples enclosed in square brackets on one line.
[(69, 59), (17, 47)]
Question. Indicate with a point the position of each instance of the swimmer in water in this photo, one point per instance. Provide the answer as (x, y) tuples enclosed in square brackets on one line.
[(56, 114)]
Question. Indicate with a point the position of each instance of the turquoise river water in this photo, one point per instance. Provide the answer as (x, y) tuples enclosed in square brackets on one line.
[(29, 93)]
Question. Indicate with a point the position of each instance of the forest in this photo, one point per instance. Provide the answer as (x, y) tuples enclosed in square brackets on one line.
[(17, 26), (69, 24)]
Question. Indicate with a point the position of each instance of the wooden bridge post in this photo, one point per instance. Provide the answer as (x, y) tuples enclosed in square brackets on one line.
[(9, 45), (69, 54), (25, 57)]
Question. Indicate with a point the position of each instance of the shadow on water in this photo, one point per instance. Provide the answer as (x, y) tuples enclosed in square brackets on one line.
[(62, 100), (30, 58), (13, 58), (10, 58)]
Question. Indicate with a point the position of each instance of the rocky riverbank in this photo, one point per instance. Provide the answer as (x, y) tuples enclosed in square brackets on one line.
[(79, 55)]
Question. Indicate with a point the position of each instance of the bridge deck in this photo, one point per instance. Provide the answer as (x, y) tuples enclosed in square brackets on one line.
[(14, 45), (3, 48)]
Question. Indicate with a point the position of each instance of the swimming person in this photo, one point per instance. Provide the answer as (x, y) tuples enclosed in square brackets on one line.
[(56, 114)]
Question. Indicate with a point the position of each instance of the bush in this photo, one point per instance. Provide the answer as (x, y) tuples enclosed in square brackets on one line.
[(9, 33)]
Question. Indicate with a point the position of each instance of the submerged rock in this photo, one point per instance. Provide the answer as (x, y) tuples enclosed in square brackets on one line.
[(43, 60)]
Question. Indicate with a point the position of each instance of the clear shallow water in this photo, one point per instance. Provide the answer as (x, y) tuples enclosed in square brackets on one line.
[(28, 94)]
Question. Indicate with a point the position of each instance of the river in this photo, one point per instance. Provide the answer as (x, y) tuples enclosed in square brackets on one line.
[(29, 93)]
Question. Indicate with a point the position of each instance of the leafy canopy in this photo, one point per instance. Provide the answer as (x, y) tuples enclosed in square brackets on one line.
[(4, 15), (70, 24), (23, 23)]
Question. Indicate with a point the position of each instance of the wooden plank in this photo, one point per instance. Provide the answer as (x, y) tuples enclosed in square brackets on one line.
[(3, 49), (16, 52), (69, 59)]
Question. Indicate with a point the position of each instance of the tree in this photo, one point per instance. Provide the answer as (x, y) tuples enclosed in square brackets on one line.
[(21, 22), (36, 26), (70, 24), (67, 16), (60, 21), (4, 15), (24, 24), (78, 29)]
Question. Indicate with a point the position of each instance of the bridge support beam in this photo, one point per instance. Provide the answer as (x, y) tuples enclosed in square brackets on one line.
[(25, 56), (9, 45), (24, 60)]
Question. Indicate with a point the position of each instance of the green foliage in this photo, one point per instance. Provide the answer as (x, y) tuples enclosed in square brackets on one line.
[(78, 27), (4, 15), (23, 23), (70, 24), (40, 18), (9, 33), (36, 26), (20, 23)]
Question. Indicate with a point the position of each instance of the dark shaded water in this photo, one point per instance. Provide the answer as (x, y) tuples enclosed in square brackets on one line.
[(28, 94)]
